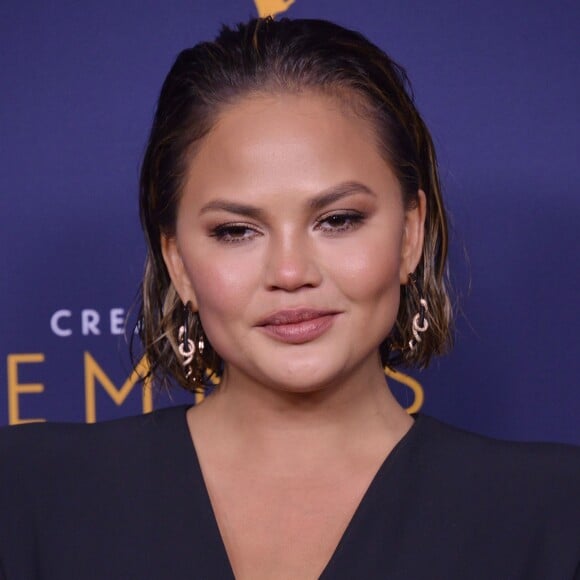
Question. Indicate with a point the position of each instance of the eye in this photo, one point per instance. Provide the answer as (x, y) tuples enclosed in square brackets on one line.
[(233, 233), (340, 222)]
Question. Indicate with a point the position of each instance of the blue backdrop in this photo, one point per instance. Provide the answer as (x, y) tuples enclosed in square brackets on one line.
[(499, 85)]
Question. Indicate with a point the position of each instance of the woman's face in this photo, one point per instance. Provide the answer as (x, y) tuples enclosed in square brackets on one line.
[(292, 242)]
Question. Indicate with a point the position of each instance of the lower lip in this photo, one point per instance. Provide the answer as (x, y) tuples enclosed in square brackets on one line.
[(300, 332)]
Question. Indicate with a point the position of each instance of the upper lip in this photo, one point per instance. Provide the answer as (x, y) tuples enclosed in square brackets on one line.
[(293, 316)]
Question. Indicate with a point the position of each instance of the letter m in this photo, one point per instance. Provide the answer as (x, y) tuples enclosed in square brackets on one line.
[(94, 373)]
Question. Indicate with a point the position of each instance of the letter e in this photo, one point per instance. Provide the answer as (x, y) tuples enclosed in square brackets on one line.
[(117, 321), (15, 389)]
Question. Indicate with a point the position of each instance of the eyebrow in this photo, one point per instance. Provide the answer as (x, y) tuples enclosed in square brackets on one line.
[(318, 202), (337, 192)]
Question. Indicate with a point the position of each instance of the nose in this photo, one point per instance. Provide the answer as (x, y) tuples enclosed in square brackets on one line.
[(291, 263)]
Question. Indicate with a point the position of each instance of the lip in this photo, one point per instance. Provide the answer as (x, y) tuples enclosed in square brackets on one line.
[(299, 325)]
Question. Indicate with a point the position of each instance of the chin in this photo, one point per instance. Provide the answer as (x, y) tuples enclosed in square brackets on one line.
[(306, 379), (304, 388)]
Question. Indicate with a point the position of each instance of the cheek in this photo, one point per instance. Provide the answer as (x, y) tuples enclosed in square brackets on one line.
[(219, 285), (223, 288), (370, 269)]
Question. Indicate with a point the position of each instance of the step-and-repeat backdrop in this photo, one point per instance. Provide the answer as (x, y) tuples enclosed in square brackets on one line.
[(498, 83)]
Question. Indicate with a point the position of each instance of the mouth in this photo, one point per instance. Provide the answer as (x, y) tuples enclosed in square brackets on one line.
[(298, 326)]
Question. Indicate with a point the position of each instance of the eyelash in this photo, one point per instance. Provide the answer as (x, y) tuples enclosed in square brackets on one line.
[(226, 233), (350, 220), (234, 233)]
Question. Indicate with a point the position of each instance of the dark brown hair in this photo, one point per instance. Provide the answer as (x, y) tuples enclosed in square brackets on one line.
[(268, 56)]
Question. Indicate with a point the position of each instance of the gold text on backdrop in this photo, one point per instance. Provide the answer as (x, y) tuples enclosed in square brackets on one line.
[(272, 7)]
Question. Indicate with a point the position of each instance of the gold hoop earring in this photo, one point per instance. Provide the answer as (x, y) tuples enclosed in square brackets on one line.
[(419, 323), (190, 347)]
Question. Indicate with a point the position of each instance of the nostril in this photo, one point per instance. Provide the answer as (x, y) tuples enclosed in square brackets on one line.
[(292, 276)]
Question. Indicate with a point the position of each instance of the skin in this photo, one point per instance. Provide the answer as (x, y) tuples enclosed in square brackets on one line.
[(291, 420)]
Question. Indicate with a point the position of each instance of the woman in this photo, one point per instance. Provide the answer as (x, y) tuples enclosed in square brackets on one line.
[(297, 244)]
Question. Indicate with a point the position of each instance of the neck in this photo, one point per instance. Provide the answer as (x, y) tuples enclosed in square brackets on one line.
[(357, 411)]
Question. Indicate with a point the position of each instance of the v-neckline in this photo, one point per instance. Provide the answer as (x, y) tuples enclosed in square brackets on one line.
[(376, 481)]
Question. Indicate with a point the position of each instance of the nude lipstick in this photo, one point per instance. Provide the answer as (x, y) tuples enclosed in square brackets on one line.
[(297, 326)]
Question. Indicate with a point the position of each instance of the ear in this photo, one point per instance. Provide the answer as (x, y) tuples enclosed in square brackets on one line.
[(413, 237), (177, 272)]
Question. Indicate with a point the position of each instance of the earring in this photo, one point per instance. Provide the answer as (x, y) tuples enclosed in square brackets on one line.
[(186, 347), (420, 324), (191, 344), (200, 342)]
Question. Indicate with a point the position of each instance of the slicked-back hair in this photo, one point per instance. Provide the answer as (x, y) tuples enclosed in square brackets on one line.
[(266, 56)]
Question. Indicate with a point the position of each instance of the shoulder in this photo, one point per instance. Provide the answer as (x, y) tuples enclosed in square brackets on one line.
[(451, 443), (61, 472), (100, 488), (531, 477), (39, 448)]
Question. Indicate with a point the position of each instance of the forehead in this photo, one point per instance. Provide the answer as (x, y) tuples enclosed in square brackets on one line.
[(273, 142)]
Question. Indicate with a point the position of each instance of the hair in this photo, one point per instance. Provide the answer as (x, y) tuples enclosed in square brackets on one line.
[(266, 56)]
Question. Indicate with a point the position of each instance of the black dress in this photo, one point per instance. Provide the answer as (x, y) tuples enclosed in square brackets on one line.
[(126, 500)]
